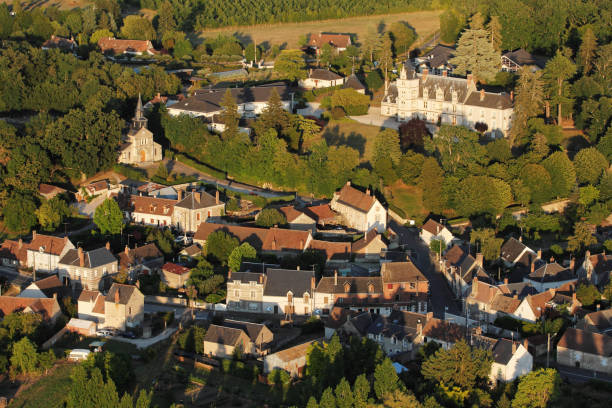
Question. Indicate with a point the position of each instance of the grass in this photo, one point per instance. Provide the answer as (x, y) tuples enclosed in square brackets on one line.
[(425, 24), (408, 198), (61, 4), (49, 392), (351, 133)]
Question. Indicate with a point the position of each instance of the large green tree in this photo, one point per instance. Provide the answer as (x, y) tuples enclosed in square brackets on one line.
[(52, 213), (590, 165), (19, 213), (586, 53), (431, 182), (558, 70), (538, 389), (290, 65), (108, 217), (219, 245), (385, 379), (528, 102), (476, 54), (137, 28), (243, 252), (562, 173)]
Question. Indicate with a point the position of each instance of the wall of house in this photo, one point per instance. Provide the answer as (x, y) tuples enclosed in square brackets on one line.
[(303, 223), (122, 316), (390, 345), (86, 278), (43, 262), (310, 83), (587, 361), (293, 367), (186, 219), (444, 235), (174, 280), (151, 219), (520, 364), (244, 296), (299, 306), (544, 286), (218, 350)]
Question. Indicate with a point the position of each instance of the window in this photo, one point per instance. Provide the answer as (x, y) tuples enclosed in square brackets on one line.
[(412, 285), (306, 298), (389, 286), (253, 294), (130, 310), (290, 297), (325, 300), (198, 217), (425, 104), (236, 293), (403, 285)]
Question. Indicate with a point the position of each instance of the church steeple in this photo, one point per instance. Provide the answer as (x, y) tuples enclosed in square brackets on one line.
[(139, 121)]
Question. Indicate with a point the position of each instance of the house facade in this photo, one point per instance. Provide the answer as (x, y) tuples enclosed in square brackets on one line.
[(89, 270), (289, 292), (91, 306), (195, 208), (360, 211), (460, 268), (224, 342), (123, 307), (139, 146), (146, 259), (434, 230), (447, 100), (292, 360), (586, 350), (321, 78), (510, 361), (174, 275), (245, 291), (298, 220)]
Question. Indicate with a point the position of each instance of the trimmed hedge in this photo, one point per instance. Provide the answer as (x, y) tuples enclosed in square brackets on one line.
[(200, 166)]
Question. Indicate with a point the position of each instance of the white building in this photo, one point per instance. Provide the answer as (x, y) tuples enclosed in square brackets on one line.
[(446, 100), (139, 146), (510, 361), (433, 230), (321, 78), (361, 211), (289, 292)]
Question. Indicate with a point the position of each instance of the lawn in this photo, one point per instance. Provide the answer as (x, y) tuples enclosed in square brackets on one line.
[(425, 24), (49, 392), (61, 4), (408, 198), (354, 134)]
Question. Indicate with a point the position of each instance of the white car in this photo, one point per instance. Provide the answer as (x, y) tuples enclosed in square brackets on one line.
[(103, 333)]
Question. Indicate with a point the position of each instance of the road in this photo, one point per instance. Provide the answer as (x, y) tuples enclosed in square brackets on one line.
[(14, 277), (441, 298), (579, 375)]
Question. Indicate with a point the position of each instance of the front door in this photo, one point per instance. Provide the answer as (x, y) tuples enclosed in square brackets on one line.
[(276, 309), (143, 156)]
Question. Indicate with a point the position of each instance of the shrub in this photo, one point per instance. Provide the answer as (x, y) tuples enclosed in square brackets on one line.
[(481, 127), (337, 113), (233, 205), (357, 110)]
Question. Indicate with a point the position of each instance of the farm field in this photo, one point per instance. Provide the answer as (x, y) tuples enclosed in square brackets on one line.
[(61, 4), (424, 22)]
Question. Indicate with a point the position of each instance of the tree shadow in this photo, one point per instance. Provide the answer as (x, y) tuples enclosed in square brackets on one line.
[(334, 137)]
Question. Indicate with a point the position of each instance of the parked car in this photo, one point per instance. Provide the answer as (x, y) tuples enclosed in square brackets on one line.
[(104, 333), (128, 335), (78, 354)]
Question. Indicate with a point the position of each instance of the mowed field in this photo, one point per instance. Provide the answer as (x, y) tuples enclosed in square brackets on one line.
[(424, 22), (61, 4)]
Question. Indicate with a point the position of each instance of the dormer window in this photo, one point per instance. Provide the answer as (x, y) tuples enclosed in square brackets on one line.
[(370, 288), (425, 93), (347, 287)]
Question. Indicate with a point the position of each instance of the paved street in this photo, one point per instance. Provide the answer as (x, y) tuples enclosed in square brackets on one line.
[(14, 277), (440, 294), (578, 375)]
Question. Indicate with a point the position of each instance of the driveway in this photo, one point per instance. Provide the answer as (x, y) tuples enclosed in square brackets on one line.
[(88, 208), (144, 343), (311, 109), (374, 118)]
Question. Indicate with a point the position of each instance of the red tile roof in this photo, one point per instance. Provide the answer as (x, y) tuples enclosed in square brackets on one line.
[(121, 46), (46, 190), (321, 213), (336, 40), (152, 205), (351, 196), (587, 342), (278, 239), (175, 269), (49, 244), (433, 227), (14, 250), (290, 212), (48, 308), (332, 250)]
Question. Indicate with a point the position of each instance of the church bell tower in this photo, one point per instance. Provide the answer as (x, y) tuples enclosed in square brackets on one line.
[(138, 121)]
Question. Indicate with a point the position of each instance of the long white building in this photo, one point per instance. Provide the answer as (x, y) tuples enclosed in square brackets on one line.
[(446, 100)]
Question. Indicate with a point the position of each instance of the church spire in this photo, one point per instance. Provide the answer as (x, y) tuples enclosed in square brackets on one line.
[(139, 110), (139, 121)]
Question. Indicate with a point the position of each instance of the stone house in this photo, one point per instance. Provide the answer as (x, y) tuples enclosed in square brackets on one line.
[(337, 254), (597, 322), (360, 211), (534, 307), (139, 146), (446, 334), (245, 291), (322, 214), (399, 332), (61, 43), (550, 276), (460, 268), (404, 282), (339, 42), (48, 191), (359, 293), (486, 302), (196, 208), (123, 307), (513, 252), (321, 78), (289, 292), (45, 251), (370, 246), (298, 220), (261, 338), (586, 350), (13, 254), (133, 47), (511, 360), (87, 269), (434, 230), (174, 275), (292, 360), (436, 61), (45, 288), (152, 210), (446, 100), (354, 83), (223, 340), (146, 259), (48, 308), (95, 189), (346, 323), (90, 306), (596, 268)]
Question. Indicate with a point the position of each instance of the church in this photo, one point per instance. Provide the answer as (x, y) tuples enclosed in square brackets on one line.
[(139, 146)]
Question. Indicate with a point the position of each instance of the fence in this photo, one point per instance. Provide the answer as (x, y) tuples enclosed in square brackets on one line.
[(47, 344), (164, 300)]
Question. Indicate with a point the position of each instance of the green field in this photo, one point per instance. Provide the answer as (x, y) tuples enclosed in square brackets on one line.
[(354, 134), (49, 392), (407, 198)]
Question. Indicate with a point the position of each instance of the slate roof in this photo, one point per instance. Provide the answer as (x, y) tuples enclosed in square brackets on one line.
[(336, 40), (489, 100), (209, 100), (245, 277), (511, 249), (397, 272), (125, 293), (521, 289), (281, 281), (354, 198), (439, 55), (399, 324), (152, 205), (551, 272), (353, 82), (502, 351), (93, 258), (356, 284), (223, 335), (443, 331), (195, 201), (334, 251), (586, 342), (175, 268), (323, 74), (522, 57), (253, 330)]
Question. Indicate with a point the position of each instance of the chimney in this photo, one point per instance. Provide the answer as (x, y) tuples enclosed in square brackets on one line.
[(348, 182), (532, 266), (65, 239), (301, 243), (424, 74), (511, 96), (526, 344), (138, 284), (444, 74), (261, 279), (197, 197), (20, 243), (274, 244), (470, 80), (55, 296), (515, 296), (33, 235), (475, 286), (513, 347), (572, 264), (217, 197), (598, 307), (539, 254), (419, 327), (312, 283), (108, 245), (298, 267), (574, 297), (552, 259), (229, 275), (367, 191), (521, 238), (117, 295), (505, 281), (335, 277), (158, 96), (180, 195), (81, 257), (587, 254), (479, 259), (429, 315), (482, 94), (127, 250)]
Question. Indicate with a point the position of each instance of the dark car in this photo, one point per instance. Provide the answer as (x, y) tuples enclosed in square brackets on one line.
[(128, 335)]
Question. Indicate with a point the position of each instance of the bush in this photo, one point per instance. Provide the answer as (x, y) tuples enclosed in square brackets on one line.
[(129, 171), (233, 205), (357, 110), (213, 298), (337, 113)]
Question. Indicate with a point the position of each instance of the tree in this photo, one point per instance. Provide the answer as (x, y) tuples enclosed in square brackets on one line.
[(590, 165), (538, 389), (587, 294), (326, 54), (19, 213), (562, 173), (166, 22), (586, 53), (476, 54), (372, 43), (400, 399), (413, 134), (403, 37), (273, 116), (351, 101), (24, 358), (437, 246), (290, 64), (528, 102), (587, 195), (182, 48), (490, 246), (361, 391), (374, 80), (327, 399), (385, 379), (52, 212), (108, 217), (229, 116), (456, 147), (431, 181), (219, 245), (385, 54), (583, 237), (495, 28), (410, 167), (137, 28), (460, 366), (6, 22), (252, 52), (269, 217), (387, 146), (492, 200), (451, 25), (557, 71), (240, 253), (46, 360), (312, 402), (538, 181), (344, 395)]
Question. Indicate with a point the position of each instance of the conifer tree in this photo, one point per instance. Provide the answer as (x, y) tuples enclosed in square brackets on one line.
[(558, 70), (586, 53), (230, 115), (477, 22), (494, 27), (166, 21), (476, 54), (528, 102)]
